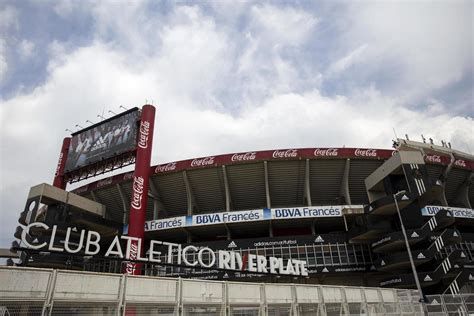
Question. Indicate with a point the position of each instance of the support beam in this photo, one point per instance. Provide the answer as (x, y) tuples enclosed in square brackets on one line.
[(307, 189), (267, 185), (228, 198), (192, 205), (156, 209), (228, 232), (98, 200), (444, 179), (95, 197), (345, 222), (125, 203), (159, 209), (189, 236), (344, 191), (267, 195)]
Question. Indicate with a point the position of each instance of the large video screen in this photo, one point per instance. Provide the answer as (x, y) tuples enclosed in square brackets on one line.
[(103, 140)]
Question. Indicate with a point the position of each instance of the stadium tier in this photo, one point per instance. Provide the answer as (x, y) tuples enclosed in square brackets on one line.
[(332, 212)]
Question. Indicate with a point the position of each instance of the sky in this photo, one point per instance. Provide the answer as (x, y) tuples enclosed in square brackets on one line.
[(229, 77)]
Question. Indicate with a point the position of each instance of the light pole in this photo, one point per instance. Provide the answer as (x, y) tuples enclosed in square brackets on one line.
[(413, 268)]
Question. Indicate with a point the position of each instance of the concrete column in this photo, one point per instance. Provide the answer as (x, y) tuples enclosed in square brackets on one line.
[(228, 232), (267, 186), (125, 203), (344, 191), (159, 209), (228, 198), (189, 194), (267, 195), (444, 179), (95, 197), (307, 187)]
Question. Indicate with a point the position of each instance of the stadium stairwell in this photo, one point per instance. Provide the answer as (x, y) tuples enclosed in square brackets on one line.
[(434, 238), (444, 270), (295, 205), (395, 260), (461, 278)]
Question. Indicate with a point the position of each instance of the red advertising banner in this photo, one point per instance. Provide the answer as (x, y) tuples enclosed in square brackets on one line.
[(279, 154), (139, 198), (59, 175), (460, 163), (272, 155), (437, 159)]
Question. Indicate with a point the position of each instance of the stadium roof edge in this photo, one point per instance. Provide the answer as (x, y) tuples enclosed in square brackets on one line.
[(266, 155), (433, 148)]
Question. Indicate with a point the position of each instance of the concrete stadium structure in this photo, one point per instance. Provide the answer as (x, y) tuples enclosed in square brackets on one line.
[(333, 208)]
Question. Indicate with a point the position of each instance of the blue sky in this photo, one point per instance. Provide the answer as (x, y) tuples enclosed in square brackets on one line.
[(230, 77)]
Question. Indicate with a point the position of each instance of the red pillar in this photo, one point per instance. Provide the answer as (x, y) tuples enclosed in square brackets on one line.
[(139, 198), (59, 175)]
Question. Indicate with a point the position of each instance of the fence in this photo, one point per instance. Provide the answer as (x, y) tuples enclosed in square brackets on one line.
[(30, 291), (462, 304)]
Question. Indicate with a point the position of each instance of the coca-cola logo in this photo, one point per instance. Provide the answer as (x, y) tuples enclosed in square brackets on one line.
[(137, 186), (290, 153), (244, 156), (318, 152), (104, 182), (460, 163), (59, 164), (167, 167), (433, 158), (143, 135), (202, 162), (366, 152), (131, 266), (128, 176)]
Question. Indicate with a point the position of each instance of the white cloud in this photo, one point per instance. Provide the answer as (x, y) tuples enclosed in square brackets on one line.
[(8, 24), (267, 62), (8, 19), (428, 45), (25, 49), (64, 8), (3, 60), (283, 26), (347, 61), (127, 25), (194, 57)]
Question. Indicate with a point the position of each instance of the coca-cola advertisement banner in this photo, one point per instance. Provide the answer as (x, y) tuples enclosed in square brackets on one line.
[(279, 154), (104, 140), (276, 155)]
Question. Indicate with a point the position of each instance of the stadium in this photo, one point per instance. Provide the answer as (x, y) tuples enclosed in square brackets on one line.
[(341, 216)]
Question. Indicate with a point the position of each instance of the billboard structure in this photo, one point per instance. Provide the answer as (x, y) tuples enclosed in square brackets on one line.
[(141, 180), (114, 143), (103, 141)]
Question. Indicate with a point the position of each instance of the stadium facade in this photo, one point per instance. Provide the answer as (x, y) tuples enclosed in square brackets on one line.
[(302, 215)]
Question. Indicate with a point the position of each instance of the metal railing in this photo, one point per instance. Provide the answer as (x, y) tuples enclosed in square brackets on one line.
[(30, 291), (461, 304)]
